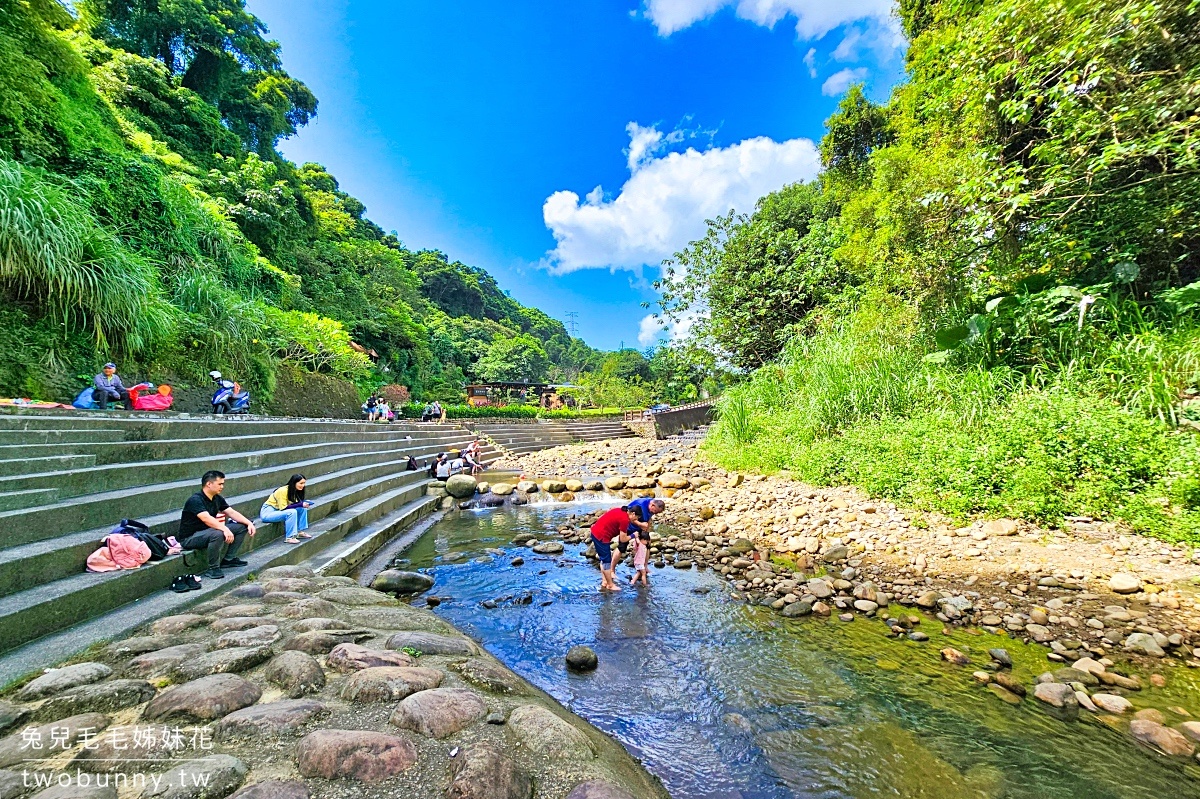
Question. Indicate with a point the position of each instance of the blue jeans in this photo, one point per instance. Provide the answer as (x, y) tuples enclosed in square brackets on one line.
[(294, 520)]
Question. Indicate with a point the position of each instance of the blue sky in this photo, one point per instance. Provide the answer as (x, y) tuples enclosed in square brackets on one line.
[(483, 129)]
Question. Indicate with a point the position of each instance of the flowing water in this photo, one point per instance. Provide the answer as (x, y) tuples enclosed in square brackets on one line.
[(722, 699)]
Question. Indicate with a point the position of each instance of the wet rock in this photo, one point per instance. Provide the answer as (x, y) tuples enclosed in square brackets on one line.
[(320, 642), (553, 486), (1164, 739), (549, 548), (503, 489), (1056, 695), (482, 771), (1039, 633), (582, 658), (204, 699), (461, 486), (1004, 694), (272, 720), (58, 680), (527, 487), (1191, 729), (1111, 703), (97, 698), (396, 581), (357, 754), (296, 673), (489, 676), (1072, 675), (542, 731), (598, 789), (1125, 583), (517, 561), (432, 644), (352, 657), (1144, 644), (264, 635), (274, 790), (140, 645), (15, 748), (211, 777), (952, 655), (439, 712), (223, 661), (388, 683), (172, 625), (1010, 683), (1001, 656), (1120, 681)]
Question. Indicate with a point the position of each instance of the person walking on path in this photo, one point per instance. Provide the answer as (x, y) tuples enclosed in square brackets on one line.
[(204, 525), (287, 504), (612, 525), (109, 388)]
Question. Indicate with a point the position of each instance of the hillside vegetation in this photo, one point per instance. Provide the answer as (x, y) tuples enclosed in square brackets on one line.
[(989, 301), (147, 217)]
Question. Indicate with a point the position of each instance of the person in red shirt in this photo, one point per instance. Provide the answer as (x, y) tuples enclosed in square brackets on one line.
[(612, 525)]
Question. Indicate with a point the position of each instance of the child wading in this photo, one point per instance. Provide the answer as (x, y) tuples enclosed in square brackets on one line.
[(641, 554), (612, 525)]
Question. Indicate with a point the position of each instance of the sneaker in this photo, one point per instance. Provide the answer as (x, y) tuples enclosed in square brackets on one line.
[(215, 574), (180, 585), (230, 562), (193, 582)]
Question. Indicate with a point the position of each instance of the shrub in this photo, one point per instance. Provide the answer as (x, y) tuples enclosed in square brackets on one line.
[(395, 395)]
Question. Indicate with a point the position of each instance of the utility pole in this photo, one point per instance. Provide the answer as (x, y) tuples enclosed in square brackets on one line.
[(572, 323)]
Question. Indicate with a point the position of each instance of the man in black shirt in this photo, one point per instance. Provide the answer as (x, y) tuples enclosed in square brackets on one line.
[(204, 525)]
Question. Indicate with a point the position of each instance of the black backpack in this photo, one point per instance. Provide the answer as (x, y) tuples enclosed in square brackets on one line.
[(158, 547)]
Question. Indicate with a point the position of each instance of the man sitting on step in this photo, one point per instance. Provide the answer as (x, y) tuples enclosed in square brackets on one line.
[(204, 525)]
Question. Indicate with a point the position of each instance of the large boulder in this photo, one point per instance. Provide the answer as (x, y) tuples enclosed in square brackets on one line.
[(461, 486), (209, 777), (205, 699), (397, 581), (58, 680), (432, 644), (503, 489), (544, 732)]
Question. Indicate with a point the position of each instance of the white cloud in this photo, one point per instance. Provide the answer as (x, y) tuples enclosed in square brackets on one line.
[(847, 49), (650, 330), (841, 80), (664, 203), (814, 18), (810, 61)]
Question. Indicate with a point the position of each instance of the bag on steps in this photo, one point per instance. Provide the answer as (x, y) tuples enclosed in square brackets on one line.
[(159, 548)]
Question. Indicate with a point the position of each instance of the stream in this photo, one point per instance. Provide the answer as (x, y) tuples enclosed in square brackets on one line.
[(724, 700)]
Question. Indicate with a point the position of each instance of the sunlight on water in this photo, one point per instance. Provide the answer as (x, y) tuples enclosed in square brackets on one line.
[(722, 700)]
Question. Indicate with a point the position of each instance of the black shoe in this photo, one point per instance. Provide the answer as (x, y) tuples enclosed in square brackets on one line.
[(227, 563), (193, 582), (180, 585), (215, 574)]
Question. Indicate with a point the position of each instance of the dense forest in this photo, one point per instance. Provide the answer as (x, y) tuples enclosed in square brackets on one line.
[(989, 300), (146, 216)]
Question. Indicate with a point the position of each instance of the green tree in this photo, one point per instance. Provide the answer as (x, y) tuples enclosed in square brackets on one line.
[(516, 359)]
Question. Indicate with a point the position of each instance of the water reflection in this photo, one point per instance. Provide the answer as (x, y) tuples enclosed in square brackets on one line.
[(722, 700)]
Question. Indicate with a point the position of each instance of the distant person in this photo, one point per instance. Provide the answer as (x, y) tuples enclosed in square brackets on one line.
[(371, 406), (473, 456), (412, 464), (109, 388), (609, 527), (382, 411), (641, 558), (203, 525), (288, 505), (427, 412), (435, 463)]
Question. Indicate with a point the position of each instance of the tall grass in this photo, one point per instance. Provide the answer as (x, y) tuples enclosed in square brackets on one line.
[(53, 251)]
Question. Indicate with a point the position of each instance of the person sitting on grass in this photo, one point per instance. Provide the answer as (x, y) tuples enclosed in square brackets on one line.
[(612, 525), (204, 525), (109, 388), (287, 504)]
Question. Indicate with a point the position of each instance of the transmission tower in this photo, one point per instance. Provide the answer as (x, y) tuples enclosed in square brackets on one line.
[(572, 324)]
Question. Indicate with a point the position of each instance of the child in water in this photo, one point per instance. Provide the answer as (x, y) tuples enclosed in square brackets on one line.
[(641, 554)]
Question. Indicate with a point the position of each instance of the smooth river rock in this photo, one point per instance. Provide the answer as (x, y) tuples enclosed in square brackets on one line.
[(217, 775), (439, 712), (204, 699), (482, 771), (352, 657), (388, 683), (296, 673), (1125, 583), (541, 730), (582, 658), (58, 680), (432, 644), (273, 719), (396, 581), (598, 789), (358, 754), (1164, 739), (274, 789), (97, 698)]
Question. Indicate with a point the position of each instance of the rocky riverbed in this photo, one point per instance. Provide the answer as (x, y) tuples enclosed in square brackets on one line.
[(294, 686), (1118, 613)]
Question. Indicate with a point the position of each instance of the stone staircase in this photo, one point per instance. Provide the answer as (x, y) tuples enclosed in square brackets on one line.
[(66, 478), (518, 439)]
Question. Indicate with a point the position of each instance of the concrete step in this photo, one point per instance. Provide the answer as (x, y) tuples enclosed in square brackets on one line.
[(26, 498), (33, 465), (36, 437), (146, 426), (84, 512), (122, 451), (62, 605), (29, 565), (112, 477)]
